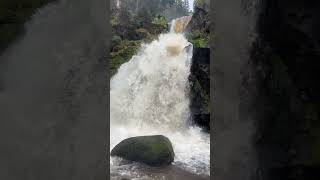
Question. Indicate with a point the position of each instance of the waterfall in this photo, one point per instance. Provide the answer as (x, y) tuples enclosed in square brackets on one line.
[(150, 95)]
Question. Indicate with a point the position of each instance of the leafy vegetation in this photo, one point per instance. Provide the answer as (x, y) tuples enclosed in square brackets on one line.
[(160, 20), (133, 25), (198, 39), (122, 52), (203, 4)]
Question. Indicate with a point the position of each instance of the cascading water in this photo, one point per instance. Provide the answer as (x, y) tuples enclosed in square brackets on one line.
[(149, 95)]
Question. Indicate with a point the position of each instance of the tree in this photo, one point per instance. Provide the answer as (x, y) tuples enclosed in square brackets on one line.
[(124, 16)]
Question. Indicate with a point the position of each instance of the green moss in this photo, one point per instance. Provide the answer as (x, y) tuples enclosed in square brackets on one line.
[(153, 150), (160, 149)]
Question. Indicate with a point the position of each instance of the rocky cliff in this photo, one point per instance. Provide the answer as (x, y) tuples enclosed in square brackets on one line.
[(285, 85), (198, 34), (200, 87)]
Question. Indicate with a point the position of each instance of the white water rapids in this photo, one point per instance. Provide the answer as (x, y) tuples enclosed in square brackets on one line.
[(149, 95)]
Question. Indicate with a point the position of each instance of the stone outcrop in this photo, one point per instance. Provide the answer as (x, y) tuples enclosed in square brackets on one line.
[(285, 63), (200, 87), (151, 150)]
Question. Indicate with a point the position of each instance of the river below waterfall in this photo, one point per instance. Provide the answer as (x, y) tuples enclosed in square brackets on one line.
[(149, 95)]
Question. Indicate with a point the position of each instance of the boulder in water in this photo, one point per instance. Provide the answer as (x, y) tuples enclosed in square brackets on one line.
[(152, 150)]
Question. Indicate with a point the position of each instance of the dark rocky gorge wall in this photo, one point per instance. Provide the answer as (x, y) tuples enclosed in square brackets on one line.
[(284, 82), (200, 69), (265, 87), (200, 88)]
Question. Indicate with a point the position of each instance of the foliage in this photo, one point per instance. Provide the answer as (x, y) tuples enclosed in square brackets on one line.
[(143, 17), (203, 4), (178, 9), (168, 8), (116, 40), (142, 32), (160, 20), (138, 21), (122, 53), (124, 16), (198, 39), (153, 7)]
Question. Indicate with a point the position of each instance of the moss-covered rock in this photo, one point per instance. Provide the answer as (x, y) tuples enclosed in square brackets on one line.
[(152, 150)]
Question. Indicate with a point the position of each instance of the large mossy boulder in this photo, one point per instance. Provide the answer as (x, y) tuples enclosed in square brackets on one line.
[(152, 150)]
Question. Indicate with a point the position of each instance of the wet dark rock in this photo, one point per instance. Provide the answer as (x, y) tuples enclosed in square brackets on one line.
[(151, 150), (285, 64), (200, 87), (202, 120), (200, 21)]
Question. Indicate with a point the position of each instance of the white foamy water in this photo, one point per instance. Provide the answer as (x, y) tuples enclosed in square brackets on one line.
[(149, 95)]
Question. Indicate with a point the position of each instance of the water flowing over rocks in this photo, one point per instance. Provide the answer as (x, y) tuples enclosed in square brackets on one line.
[(150, 95)]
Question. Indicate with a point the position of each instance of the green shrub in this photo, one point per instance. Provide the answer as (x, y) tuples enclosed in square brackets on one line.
[(198, 39), (122, 53), (160, 20), (116, 40)]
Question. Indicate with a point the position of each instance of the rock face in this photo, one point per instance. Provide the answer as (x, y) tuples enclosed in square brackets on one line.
[(286, 86), (199, 21), (200, 87), (152, 150)]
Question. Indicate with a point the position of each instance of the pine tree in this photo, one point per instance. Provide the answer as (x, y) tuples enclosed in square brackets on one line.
[(187, 6)]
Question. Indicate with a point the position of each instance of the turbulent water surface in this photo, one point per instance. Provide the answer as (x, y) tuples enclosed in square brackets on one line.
[(148, 96)]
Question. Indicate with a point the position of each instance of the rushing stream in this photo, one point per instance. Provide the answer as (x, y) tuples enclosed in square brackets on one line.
[(149, 95)]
